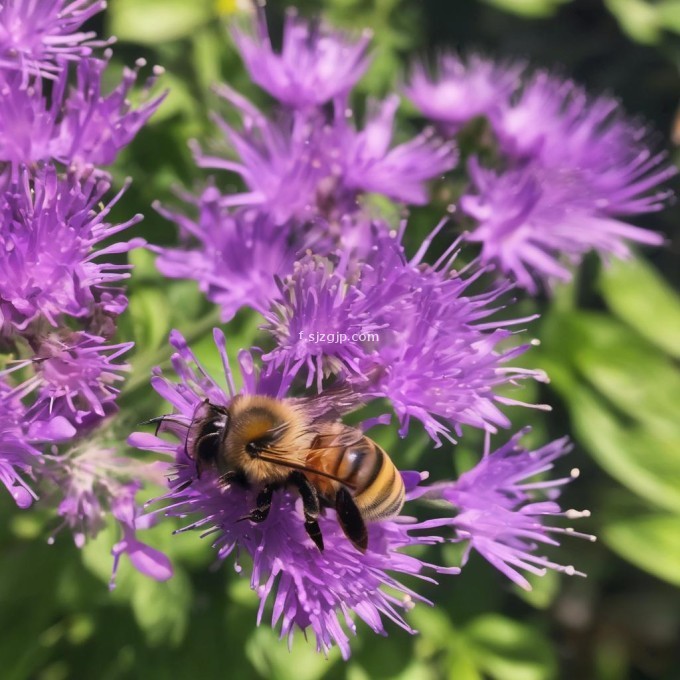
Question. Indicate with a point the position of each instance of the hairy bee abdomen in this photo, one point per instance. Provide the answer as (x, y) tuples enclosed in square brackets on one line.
[(377, 486)]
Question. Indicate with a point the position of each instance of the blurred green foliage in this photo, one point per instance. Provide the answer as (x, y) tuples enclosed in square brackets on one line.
[(610, 342)]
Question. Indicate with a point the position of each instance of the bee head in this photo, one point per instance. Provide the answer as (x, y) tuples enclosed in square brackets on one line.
[(262, 431), (207, 431)]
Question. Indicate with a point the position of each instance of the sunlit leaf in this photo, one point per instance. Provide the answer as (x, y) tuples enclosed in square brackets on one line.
[(152, 22), (623, 367), (179, 99), (162, 609), (543, 591), (669, 15), (622, 396), (437, 635), (650, 541), (273, 660), (150, 315), (638, 295), (529, 8), (644, 460), (638, 18), (508, 650)]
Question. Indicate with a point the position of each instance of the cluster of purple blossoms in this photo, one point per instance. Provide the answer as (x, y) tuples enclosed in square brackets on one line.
[(421, 338), (60, 291), (572, 167), (302, 171), (347, 312), (320, 590)]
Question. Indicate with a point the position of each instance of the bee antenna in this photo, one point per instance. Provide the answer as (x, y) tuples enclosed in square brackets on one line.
[(193, 418), (160, 420), (157, 419)]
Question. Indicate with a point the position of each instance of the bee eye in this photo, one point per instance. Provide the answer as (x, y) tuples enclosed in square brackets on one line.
[(207, 447), (208, 440)]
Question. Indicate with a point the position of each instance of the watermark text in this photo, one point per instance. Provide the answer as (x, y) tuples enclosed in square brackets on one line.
[(337, 338)]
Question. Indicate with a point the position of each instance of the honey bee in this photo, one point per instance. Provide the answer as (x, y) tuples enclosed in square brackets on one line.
[(268, 444)]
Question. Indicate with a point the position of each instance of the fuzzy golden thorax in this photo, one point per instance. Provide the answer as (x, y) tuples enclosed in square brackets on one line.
[(260, 427)]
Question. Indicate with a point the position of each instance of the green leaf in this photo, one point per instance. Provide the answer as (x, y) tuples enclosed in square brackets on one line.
[(543, 591), (669, 15), (150, 314), (144, 265), (650, 541), (271, 657), (625, 368), (461, 662), (644, 460), (436, 633), (508, 650), (434, 627), (637, 294), (179, 99), (153, 22), (638, 18), (621, 394), (529, 8), (208, 49), (162, 609)]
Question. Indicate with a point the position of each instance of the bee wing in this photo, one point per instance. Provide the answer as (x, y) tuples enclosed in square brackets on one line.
[(330, 405), (339, 439), (338, 400)]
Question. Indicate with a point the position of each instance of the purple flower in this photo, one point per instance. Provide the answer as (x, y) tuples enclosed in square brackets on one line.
[(462, 89), (602, 154), (370, 165), (17, 455), (316, 318), (83, 479), (303, 165), (95, 126), (235, 257), (144, 558), (308, 588), (433, 354), (91, 480), (21, 433), (87, 477), (281, 162), (501, 511), (533, 222), (48, 261), (79, 127), (75, 376), (37, 38), (315, 64)]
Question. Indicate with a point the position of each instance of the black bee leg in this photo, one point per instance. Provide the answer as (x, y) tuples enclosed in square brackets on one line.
[(310, 506), (263, 505), (232, 477), (350, 519)]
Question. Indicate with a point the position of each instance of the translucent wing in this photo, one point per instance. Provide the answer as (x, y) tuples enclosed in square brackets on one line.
[(340, 438)]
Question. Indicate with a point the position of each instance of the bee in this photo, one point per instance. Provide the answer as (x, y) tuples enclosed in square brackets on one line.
[(268, 444)]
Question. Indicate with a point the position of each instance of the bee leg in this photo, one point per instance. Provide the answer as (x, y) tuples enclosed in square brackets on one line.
[(310, 506), (263, 505), (232, 477), (350, 519)]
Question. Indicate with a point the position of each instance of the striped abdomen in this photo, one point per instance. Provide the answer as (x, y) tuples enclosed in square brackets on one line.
[(370, 475)]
